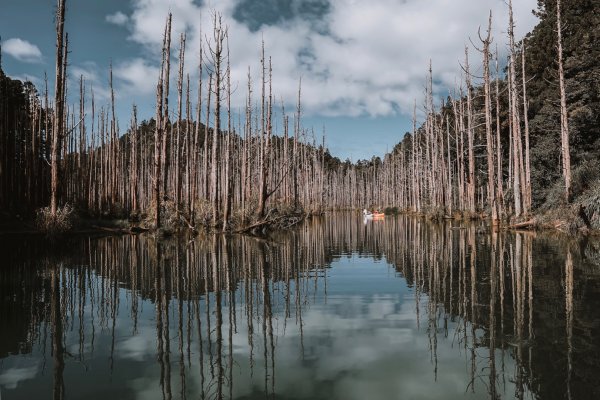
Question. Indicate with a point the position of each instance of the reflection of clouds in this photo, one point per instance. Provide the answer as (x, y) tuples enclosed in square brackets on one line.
[(137, 348), (13, 376), (147, 388), (355, 347), (360, 342)]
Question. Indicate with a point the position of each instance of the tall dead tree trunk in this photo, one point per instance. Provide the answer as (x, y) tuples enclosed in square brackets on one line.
[(196, 150), (296, 138), (179, 122), (165, 119), (158, 133), (514, 121), (265, 138), (564, 120), (499, 188), (206, 189), (228, 180), (217, 58), (527, 189), (57, 126), (492, 200), (470, 138)]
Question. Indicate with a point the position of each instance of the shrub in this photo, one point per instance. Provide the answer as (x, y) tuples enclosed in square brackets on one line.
[(62, 222), (584, 175), (591, 203), (391, 211), (170, 221), (203, 212)]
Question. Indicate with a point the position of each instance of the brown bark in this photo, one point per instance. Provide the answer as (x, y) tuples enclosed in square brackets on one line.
[(515, 121), (492, 200), (57, 126), (564, 119)]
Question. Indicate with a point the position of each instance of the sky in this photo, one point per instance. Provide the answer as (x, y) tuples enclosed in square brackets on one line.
[(362, 64)]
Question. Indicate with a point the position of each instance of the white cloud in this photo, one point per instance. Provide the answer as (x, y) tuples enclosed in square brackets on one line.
[(22, 50), (138, 76), (371, 60), (117, 18), (93, 79)]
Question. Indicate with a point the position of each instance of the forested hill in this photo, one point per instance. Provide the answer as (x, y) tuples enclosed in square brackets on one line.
[(581, 52), (448, 124)]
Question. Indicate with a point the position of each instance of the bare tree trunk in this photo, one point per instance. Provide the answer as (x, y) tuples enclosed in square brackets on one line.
[(114, 142), (195, 162), (527, 188), (217, 57), (165, 119), (206, 132), (262, 194), (492, 201), (179, 122), (515, 123), (470, 136), (134, 162), (247, 142), (296, 138), (414, 183), (499, 188), (57, 126), (564, 120), (159, 133), (228, 191), (267, 108)]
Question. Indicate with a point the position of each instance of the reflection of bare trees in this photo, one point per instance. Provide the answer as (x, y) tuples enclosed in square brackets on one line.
[(500, 290), (58, 349), (203, 291), (484, 292), (569, 317)]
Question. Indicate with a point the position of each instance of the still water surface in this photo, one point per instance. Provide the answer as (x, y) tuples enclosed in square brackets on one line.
[(338, 309)]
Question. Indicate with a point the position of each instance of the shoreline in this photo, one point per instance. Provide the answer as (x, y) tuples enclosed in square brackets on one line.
[(546, 222)]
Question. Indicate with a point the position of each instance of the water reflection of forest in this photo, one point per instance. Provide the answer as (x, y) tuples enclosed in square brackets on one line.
[(497, 296)]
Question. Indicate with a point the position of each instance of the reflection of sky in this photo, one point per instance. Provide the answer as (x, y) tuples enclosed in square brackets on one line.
[(11, 377), (360, 341)]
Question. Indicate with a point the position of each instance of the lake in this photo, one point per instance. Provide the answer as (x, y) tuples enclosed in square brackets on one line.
[(339, 308)]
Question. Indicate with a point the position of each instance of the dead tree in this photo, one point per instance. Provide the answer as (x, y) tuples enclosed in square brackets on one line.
[(470, 137), (159, 133), (527, 189), (564, 120), (515, 124), (492, 200), (59, 92), (165, 119), (179, 122), (216, 51)]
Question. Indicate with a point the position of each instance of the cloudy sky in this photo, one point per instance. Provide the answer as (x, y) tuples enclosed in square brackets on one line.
[(362, 63)]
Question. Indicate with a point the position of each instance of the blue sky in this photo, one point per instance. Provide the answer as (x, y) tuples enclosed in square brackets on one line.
[(362, 63)]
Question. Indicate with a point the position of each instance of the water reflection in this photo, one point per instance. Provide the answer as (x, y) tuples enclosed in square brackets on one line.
[(337, 309)]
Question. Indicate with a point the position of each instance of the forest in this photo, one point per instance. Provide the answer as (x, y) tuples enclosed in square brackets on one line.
[(518, 145)]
